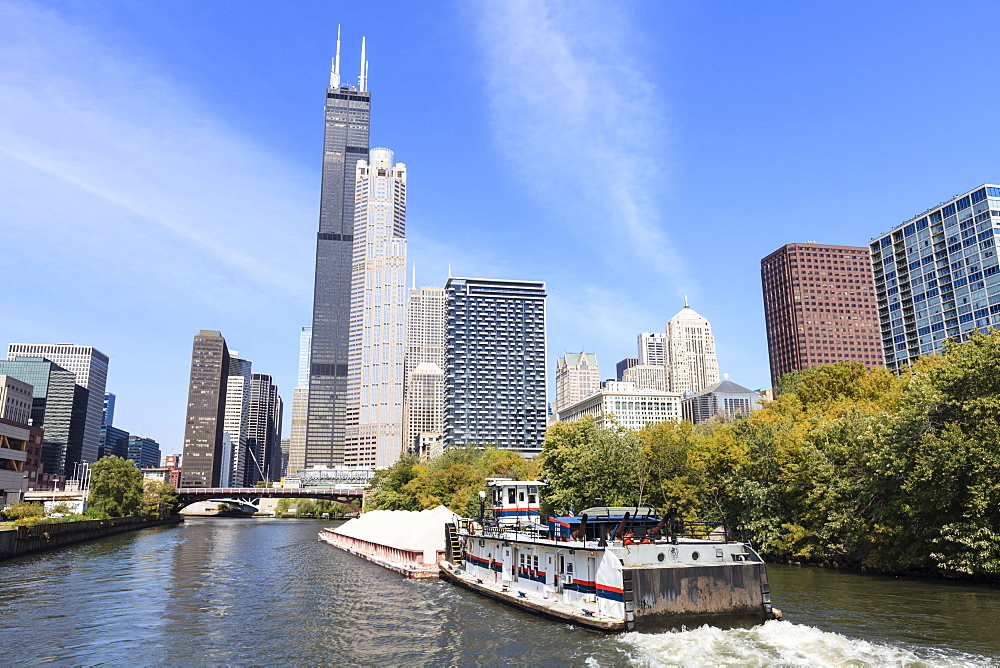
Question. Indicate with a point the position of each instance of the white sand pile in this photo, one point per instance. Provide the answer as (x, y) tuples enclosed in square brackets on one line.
[(403, 529)]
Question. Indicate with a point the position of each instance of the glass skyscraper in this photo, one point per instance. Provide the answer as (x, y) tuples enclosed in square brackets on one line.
[(495, 389), (345, 142), (937, 276)]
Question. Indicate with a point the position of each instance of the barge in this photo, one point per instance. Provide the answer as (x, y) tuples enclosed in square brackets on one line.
[(609, 569), (409, 543)]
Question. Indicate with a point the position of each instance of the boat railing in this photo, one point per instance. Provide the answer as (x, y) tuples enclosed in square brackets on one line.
[(669, 532)]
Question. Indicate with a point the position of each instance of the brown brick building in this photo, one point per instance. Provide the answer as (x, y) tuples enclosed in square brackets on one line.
[(819, 306)]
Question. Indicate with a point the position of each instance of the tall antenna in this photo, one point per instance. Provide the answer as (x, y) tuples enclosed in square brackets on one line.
[(335, 72), (363, 78), (686, 302)]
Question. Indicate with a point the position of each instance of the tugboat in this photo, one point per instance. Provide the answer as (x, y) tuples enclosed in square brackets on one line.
[(608, 569)]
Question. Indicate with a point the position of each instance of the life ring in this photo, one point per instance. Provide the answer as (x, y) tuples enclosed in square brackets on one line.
[(472, 528)]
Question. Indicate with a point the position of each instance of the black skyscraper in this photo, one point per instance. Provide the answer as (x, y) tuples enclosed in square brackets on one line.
[(345, 142)]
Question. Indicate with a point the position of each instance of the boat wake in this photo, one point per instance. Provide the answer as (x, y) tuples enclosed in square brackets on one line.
[(783, 643)]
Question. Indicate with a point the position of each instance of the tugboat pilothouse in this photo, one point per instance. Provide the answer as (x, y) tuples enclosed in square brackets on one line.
[(610, 569)]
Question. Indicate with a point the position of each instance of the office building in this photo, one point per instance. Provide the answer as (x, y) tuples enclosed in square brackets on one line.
[(237, 419), (305, 352), (425, 407), (378, 314), (937, 276), (626, 363), (423, 392), (144, 452), (621, 403), (345, 143), (90, 366), (114, 442), (295, 452), (819, 307), (15, 400), (577, 376), (494, 379), (58, 405), (647, 377), (652, 348), (204, 424), (264, 436), (726, 399), (109, 409), (691, 363)]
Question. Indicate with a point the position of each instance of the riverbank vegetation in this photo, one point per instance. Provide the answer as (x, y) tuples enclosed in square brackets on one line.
[(453, 479), (851, 467), (847, 466)]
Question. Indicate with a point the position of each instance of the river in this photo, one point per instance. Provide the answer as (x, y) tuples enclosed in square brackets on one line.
[(219, 591)]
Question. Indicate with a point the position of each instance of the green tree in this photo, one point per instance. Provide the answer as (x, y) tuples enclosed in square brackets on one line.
[(281, 508), (115, 489), (158, 497)]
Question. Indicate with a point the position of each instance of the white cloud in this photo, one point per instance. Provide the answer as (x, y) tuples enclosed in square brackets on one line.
[(161, 176), (575, 115)]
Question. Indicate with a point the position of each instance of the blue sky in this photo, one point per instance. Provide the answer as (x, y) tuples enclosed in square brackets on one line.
[(159, 162)]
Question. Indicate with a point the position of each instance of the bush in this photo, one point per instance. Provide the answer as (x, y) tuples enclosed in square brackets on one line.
[(23, 509)]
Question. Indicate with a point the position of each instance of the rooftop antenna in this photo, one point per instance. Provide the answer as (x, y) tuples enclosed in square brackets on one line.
[(335, 72), (686, 302), (449, 271), (363, 78)]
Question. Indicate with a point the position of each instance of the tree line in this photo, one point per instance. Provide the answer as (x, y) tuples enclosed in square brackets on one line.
[(858, 468)]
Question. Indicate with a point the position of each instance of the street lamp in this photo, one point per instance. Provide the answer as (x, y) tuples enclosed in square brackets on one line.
[(482, 505)]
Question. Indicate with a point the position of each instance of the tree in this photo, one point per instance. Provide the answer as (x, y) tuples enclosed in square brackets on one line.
[(115, 489), (158, 497), (23, 509)]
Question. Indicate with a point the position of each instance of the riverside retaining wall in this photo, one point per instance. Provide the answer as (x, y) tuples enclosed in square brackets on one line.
[(22, 541)]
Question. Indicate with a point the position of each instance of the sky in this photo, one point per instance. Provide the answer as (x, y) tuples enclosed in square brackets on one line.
[(160, 161)]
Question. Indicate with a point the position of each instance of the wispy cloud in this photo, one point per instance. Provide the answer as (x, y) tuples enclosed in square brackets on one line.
[(575, 114), (165, 178)]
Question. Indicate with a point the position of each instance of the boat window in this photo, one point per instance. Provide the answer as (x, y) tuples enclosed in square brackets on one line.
[(520, 496), (511, 495), (569, 567), (531, 498), (536, 563)]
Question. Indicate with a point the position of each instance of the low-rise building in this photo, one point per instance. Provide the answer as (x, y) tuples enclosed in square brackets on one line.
[(621, 402), (647, 376), (725, 399), (14, 439)]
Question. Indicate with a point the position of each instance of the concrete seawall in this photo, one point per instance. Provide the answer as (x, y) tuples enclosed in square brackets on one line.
[(22, 541)]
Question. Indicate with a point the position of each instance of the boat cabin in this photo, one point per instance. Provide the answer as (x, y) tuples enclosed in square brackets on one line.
[(515, 502)]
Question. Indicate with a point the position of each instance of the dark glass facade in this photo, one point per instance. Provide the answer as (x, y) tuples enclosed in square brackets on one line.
[(495, 389), (206, 411), (59, 405), (345, 142), (264, 432)]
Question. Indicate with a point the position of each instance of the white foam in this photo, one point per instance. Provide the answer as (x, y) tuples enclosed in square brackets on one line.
[(782, 643)]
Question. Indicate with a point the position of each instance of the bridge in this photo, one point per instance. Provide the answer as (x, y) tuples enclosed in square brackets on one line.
[(251, 496)]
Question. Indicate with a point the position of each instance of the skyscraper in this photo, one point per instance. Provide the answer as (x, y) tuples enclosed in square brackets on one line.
[(90, 366), (59, 405), (819, 306), (264, 439), (423, 390), (691, 363), (237, 420), (577, 377), (937, 276), (652, 348), (345, 142), (295, 454), (204, 424), (378, 314), (624, 364), (495, 385), (109, 409)]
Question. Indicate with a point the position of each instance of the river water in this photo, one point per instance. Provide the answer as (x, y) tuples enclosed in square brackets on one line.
[(219, 591)]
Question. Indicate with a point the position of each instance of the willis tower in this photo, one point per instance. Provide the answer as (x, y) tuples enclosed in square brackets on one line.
[(345, 142)]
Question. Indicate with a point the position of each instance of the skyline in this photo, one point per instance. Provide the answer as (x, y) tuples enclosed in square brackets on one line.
[(661, 123)]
